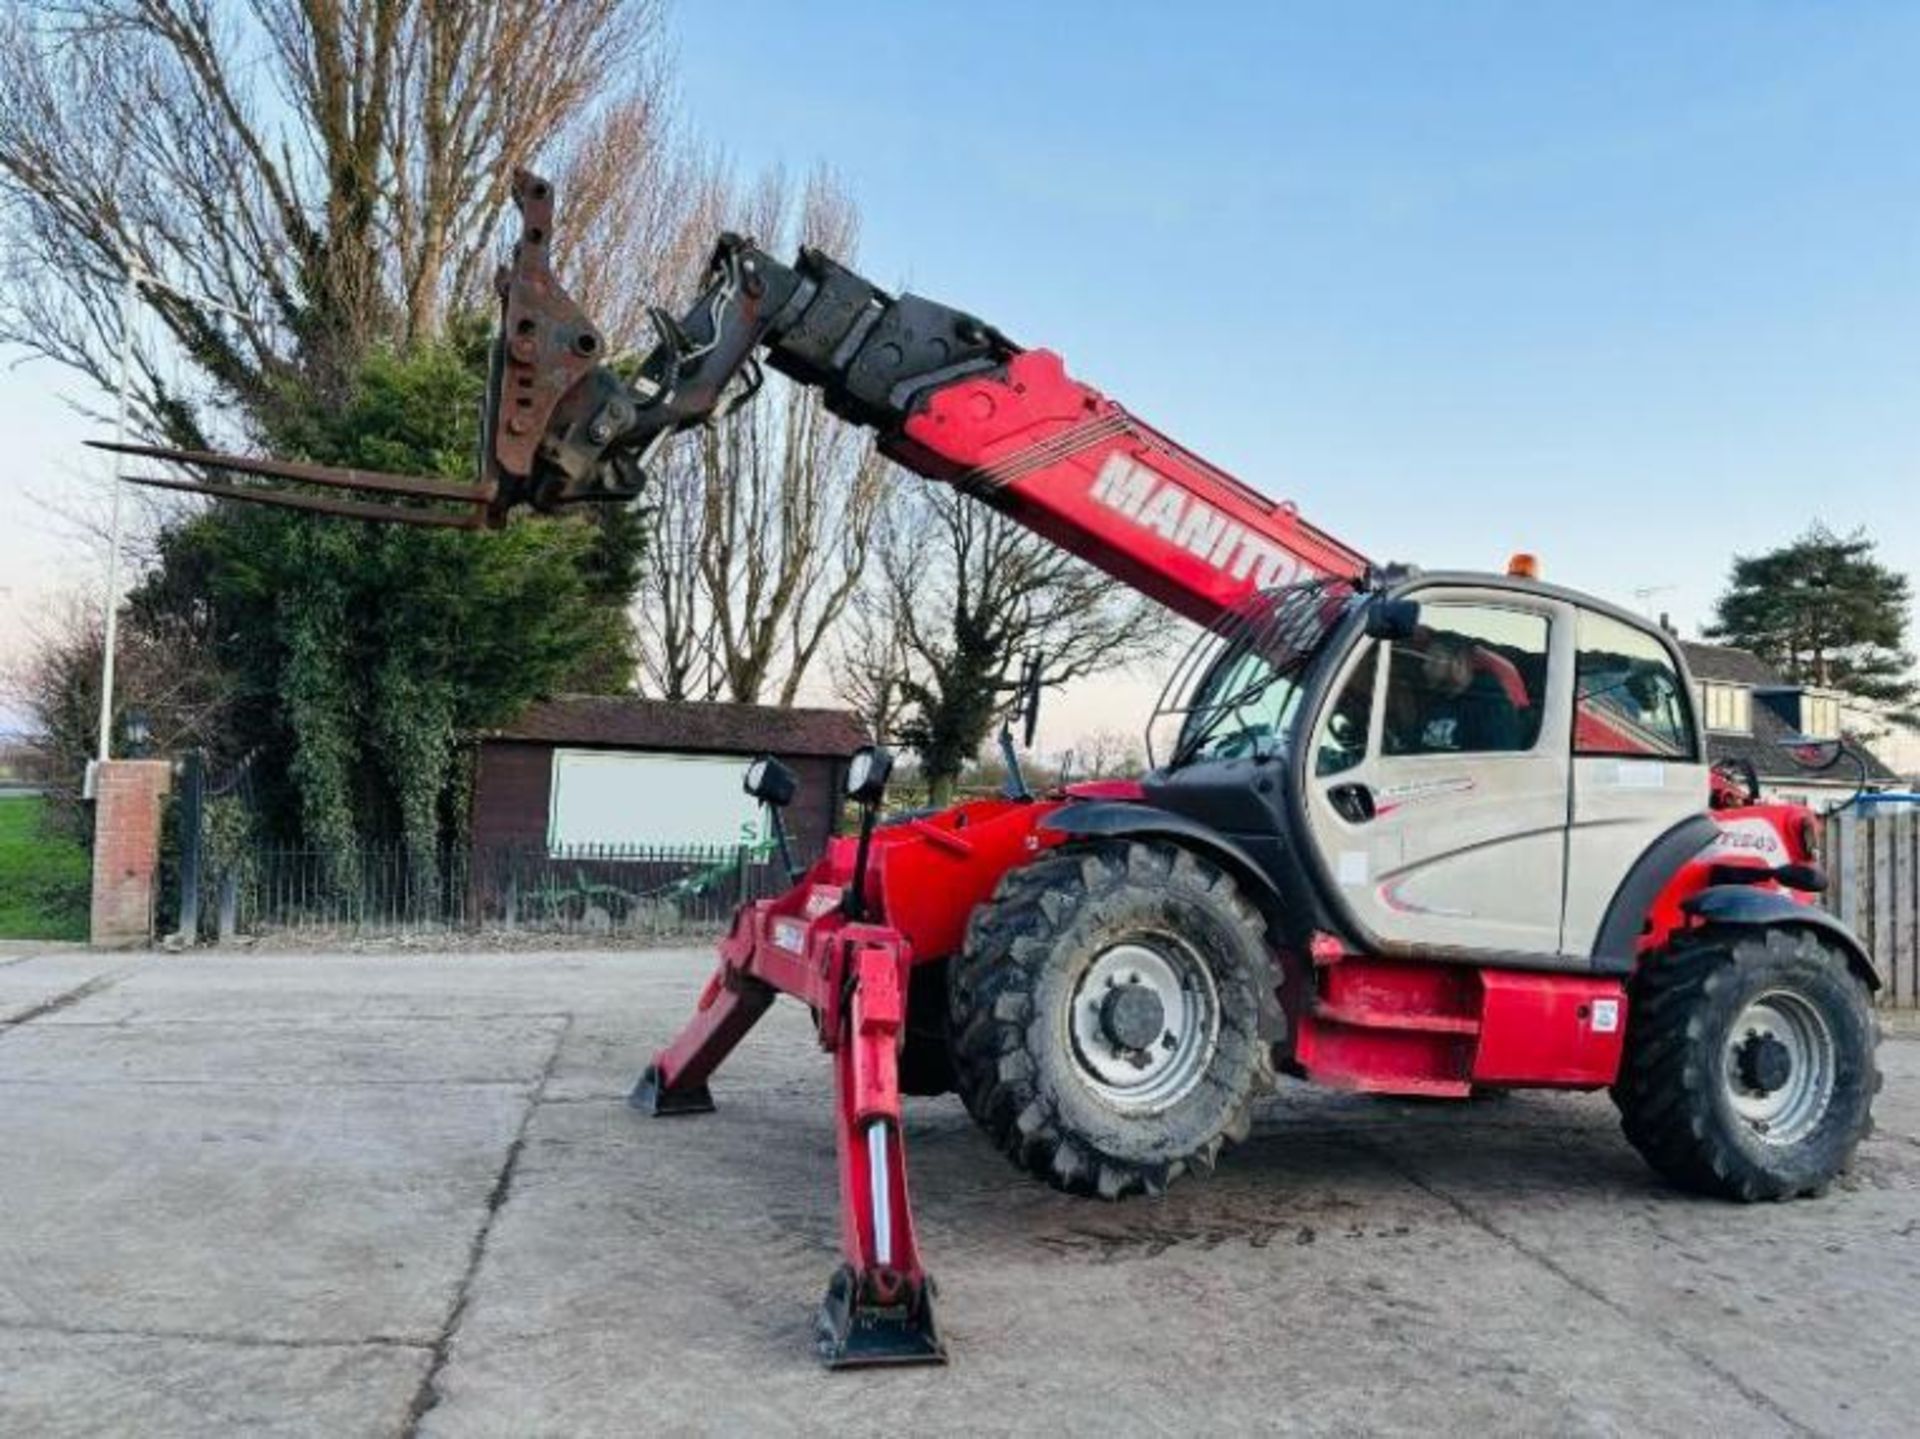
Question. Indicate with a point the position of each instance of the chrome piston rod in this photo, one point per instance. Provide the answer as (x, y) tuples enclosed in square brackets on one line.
[(880, 1192)]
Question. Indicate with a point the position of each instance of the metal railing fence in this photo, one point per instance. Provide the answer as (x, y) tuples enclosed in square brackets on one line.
[(383, 890)]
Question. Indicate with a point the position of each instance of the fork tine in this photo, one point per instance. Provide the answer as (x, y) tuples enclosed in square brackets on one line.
[(319, 504), (371, 481)]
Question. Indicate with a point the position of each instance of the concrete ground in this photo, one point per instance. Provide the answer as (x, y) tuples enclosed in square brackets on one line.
[(398, 1194)]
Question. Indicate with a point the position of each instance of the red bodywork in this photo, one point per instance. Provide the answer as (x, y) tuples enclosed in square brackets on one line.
[(1442, 1030), (924, 877), (1077, 467)]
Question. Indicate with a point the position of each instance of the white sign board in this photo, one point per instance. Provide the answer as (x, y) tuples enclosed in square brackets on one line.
[(601, 797)]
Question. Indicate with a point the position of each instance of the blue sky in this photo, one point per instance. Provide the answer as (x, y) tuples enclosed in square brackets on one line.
[(1633, 286)]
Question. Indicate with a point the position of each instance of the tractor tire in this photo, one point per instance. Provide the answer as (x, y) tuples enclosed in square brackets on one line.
[(1749, 1070), (1114, 1014)]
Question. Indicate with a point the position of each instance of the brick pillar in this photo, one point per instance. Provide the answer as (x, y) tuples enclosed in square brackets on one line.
[(126, 848)]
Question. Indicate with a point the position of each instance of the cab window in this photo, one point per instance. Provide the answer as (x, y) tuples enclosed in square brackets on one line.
[(1244, 708), (1343, 738), (1628, 699), (1471, 679)]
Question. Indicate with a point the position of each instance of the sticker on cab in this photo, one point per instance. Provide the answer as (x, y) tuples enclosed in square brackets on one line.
[(1639, 774)]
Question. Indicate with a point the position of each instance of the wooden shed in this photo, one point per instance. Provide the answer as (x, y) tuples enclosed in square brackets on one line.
[(619, 772)]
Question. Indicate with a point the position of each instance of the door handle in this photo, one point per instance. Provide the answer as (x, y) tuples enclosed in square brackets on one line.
[(1352, 802)]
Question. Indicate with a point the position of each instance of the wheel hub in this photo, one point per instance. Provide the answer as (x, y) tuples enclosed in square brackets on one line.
[(1782, 1065), (1765, 1063), (1132, 1016), (1144, 1020)]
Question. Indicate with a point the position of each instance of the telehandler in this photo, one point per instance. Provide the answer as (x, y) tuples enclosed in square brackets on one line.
[(1408, 833)]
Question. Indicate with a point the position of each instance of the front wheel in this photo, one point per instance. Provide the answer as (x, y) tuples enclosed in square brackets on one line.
[(1114, 1013), (1749, 1072)]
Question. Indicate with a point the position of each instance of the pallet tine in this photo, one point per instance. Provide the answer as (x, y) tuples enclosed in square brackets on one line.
[(318, 504)]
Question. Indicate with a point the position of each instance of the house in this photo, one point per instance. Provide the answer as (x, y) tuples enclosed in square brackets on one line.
[(1748, 711), (586, 774)]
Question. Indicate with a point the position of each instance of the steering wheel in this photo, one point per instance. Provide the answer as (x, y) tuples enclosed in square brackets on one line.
[(1244, 741)]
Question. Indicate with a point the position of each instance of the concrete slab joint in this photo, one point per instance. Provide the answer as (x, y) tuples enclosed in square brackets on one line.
[(126, 849)]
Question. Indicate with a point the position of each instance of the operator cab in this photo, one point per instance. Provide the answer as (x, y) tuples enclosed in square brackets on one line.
[(1450, 765)]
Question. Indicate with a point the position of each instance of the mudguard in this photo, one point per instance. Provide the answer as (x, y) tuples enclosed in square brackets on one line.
[(1616, 947), (1129, 820), (1748, 906)]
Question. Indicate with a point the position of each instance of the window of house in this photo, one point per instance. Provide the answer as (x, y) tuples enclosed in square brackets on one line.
[(1820, 715), (1627, 697), (1471, 680), (1728, 709)]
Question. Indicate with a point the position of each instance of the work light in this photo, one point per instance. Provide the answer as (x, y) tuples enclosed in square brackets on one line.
[(770, 782), (867, 773)]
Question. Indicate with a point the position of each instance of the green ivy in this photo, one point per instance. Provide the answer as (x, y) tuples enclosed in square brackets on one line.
[(361, 656)]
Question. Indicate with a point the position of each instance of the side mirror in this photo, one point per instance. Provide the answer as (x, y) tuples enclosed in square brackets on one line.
[(1736, 783), (1811, 753), (1392, 619)]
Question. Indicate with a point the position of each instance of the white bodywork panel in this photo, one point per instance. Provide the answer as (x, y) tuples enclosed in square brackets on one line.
[(1465, 851), (1500, 852), (1623, 803), (1620, 807)]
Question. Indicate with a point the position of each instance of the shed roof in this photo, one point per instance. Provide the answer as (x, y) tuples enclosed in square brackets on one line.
[(630, 722)]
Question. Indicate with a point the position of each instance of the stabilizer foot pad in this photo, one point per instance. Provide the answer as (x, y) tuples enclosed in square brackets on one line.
[(852, 1331), (650, 1097)]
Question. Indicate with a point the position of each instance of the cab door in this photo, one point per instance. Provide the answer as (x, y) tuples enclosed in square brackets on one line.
[(1446, 830), (1637, 766)]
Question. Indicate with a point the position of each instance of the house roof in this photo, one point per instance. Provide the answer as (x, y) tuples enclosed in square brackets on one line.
[(1763, 748), (629, 722), (1723, 662)]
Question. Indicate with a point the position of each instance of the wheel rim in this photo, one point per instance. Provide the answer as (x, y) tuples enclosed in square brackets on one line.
[(1780, 1067), (1145, 1021)]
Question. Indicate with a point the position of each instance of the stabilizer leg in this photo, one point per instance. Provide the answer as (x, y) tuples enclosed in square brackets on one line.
[(879, 1303), (676, 1081), (652, 1095)]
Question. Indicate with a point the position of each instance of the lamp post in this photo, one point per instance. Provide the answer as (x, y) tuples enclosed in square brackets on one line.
[(137, 277)]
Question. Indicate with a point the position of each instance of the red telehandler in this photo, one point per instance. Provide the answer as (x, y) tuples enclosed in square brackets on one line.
[(1413, 833)]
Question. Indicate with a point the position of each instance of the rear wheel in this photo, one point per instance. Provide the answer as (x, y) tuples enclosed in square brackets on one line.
[(1749, 1070), (1114, 1014)]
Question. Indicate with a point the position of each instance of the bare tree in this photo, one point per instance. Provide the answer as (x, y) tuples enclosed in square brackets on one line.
[(641, 206), (871, 659), (965, 598), (162, 672), (766, 520), (1105, 754), (332, 169)]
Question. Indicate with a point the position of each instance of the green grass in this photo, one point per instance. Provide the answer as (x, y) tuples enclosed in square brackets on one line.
[(43, 880)]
